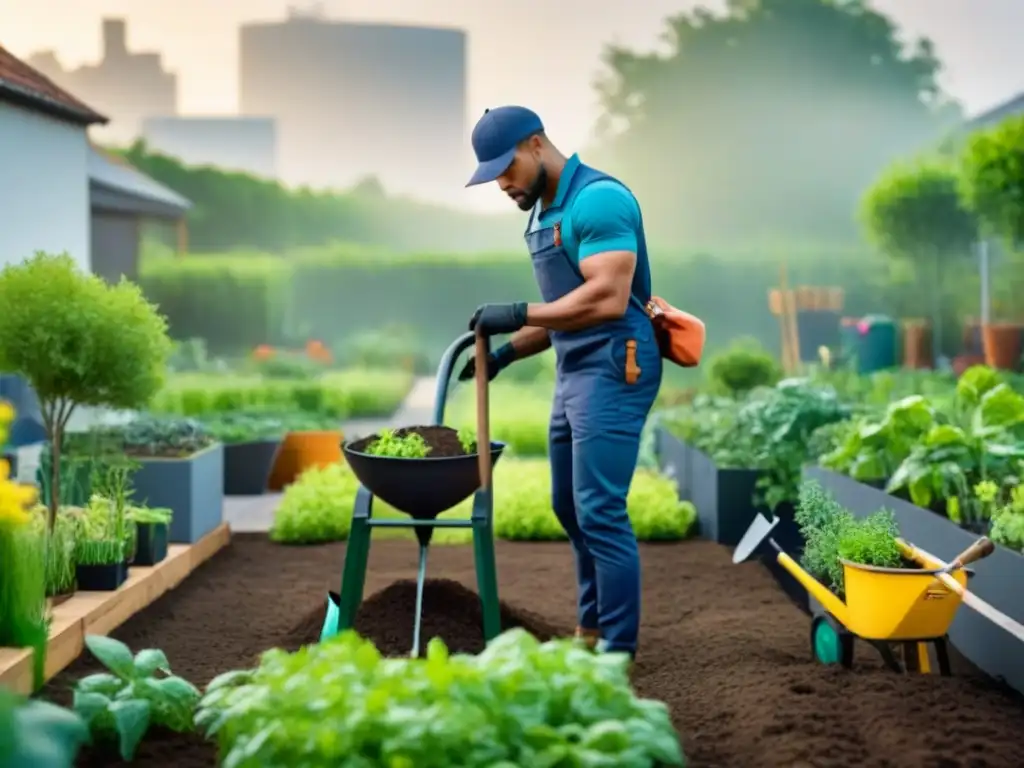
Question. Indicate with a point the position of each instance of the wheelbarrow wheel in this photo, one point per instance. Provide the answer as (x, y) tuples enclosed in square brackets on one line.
[(831, 643)]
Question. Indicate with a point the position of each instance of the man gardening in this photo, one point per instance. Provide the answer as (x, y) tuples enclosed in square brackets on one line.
[(585, 235)]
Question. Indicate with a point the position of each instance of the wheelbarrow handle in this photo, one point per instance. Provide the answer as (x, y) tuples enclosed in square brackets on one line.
[(483, 421), (445, 370), (980, 549)]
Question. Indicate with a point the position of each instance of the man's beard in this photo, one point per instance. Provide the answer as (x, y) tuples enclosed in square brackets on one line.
[(532, 195)]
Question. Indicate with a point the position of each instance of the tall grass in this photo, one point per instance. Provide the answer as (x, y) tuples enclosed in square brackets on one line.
[(23, 620)]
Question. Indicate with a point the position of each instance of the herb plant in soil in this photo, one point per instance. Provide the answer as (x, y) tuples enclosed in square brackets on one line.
[(135, 694), (418, 443), (518, 702)]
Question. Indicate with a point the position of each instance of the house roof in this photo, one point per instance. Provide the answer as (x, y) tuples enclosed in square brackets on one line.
[(116, 185), (21, 84), (1014, 106)]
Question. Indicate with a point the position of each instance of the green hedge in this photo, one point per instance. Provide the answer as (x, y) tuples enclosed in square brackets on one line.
[(238, 301)]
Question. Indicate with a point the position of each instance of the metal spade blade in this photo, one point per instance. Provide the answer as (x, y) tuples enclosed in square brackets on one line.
[(760, 529)]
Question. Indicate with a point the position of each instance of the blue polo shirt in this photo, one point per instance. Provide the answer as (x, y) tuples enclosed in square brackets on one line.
[(603, 217)]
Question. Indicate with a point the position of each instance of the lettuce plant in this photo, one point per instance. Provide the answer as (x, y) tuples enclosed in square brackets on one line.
[(137, 692), (519, 703)]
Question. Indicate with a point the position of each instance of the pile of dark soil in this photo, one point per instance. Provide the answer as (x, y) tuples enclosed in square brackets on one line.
[(451, 611), (443, 441), (720, 644)]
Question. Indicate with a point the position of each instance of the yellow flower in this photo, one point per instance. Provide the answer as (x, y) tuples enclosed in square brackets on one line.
[(15, 499), (6, 412)]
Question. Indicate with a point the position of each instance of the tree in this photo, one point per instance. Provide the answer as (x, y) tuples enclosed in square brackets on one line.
[(768, 120), (78, 341), (993, 179), (914, 213)]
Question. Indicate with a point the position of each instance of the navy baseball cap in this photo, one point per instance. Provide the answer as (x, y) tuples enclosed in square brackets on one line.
[(495, 138)]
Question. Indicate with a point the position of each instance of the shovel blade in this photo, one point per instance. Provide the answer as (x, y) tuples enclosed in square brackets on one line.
[(758, 532), (330, 627)]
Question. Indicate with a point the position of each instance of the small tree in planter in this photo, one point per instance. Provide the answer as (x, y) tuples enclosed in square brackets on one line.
[(914, 213), (78, 341), (992, 183)]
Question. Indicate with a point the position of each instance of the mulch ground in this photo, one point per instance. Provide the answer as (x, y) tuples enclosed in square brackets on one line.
[(720, 644)]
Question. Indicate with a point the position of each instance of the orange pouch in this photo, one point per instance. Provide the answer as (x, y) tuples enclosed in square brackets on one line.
[(680, 335)]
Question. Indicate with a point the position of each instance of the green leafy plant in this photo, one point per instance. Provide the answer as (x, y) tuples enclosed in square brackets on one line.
[(831, 534), (1008, 522), (136, 693), (467, 439), (317, 507), (235, 427), (38, 734), (78, 341), (875, 449), (744, 366), (438, 711), (390, 444), (150, 515), (976, 441), (159, 436)]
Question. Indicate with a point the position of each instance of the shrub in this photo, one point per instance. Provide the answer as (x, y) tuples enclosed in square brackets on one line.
[(339, 394), (522, 505), (518, 703), (78, 341), (520, 415), (745, 365), (317, 507)]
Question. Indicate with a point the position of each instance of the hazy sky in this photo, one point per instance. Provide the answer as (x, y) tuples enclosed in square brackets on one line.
[(543, 53)]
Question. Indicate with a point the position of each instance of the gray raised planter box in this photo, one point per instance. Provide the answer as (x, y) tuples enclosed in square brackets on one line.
[(998, 580), (247, 466), (192, 487), (724, 500), (674, 461)]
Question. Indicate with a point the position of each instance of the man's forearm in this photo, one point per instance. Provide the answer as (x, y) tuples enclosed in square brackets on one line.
[(530, 341), (592, 303)]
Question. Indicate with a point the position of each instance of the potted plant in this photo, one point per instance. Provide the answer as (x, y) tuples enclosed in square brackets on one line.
[(151, 527), (179, 467), (992, 184), (251, 442), (104, 545), (106, 346)]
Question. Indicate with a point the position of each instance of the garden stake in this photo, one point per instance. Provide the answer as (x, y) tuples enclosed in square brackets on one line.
[(423, 488), (909, 606)]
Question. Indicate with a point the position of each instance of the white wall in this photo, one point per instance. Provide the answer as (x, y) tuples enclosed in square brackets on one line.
[(44, 186)]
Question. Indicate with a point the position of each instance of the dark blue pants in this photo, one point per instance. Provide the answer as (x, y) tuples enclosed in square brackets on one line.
[(594, 441)]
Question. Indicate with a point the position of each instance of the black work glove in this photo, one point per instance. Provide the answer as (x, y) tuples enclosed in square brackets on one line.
[(496, 363), (493, 319)]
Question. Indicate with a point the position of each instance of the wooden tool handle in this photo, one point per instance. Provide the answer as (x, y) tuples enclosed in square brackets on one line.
[(483, 422), (980, 549)]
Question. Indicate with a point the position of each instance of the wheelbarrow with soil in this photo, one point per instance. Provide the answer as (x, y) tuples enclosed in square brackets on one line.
[(898, 611), (423, 472)]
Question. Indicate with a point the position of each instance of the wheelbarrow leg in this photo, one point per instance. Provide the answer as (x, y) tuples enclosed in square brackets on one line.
[(486, 563), (942, 656), (891, 662), (357, 554), (916, 656)]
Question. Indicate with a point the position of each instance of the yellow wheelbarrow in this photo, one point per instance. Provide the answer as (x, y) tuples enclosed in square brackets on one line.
[(906, 609)]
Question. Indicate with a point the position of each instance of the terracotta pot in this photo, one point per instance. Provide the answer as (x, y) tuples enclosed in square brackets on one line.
[(1002, 345), (300, 451), (917, 344)]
